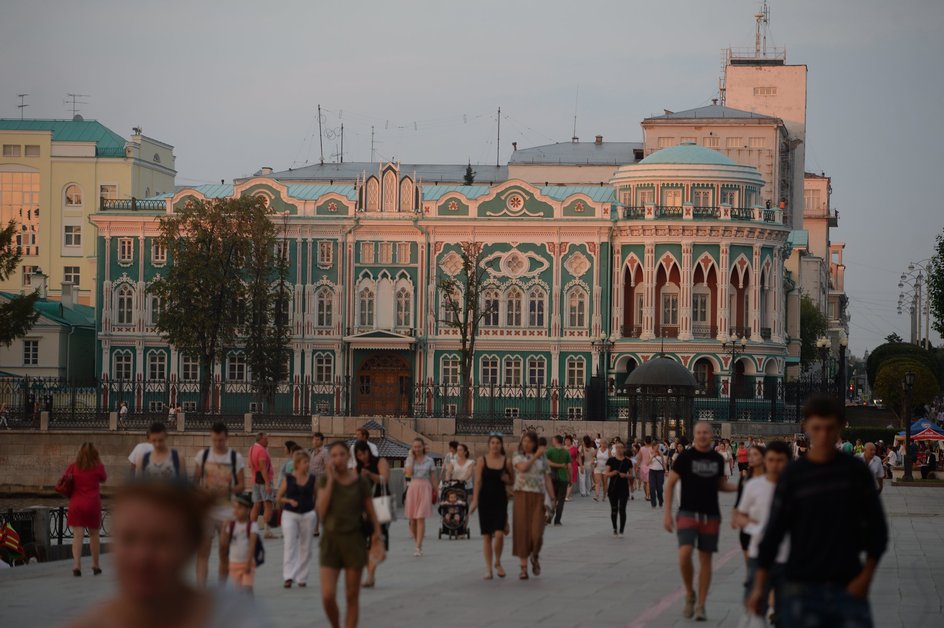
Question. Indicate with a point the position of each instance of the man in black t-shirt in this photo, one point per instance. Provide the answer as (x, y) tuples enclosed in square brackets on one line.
[(701, 472), (828, 503)]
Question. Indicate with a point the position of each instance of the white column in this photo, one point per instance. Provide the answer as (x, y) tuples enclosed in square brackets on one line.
[(649, 278), (685, 293), (724, 282), (755, 295), (616, 292), (776, 325)]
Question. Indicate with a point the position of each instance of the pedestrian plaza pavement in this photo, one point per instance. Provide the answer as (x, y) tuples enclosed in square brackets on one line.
[(589, 578)]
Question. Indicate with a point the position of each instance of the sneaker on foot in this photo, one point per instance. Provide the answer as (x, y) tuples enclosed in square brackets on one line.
[(615, 533), (689, 609), (700, 614)]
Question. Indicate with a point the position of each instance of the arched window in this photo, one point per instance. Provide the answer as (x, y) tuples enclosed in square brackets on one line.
[(576, 372), (404, 307), (365, 307), (154, 309), (536, 299), (324, 368), (577, 308), (236, 370), (157, 365), (513, 308), (324, 308), (73, 196), (124, 305), (512, 371), (450, 370), (122, 368), (490, 308), (489, 370)]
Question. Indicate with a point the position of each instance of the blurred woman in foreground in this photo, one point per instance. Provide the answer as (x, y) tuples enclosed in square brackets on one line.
[(156, 530)]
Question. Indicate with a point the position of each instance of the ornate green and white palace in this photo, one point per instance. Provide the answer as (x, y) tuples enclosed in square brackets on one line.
[(676, 255)]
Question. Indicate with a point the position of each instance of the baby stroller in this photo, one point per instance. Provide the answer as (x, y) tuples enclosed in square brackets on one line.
[(454, 510)]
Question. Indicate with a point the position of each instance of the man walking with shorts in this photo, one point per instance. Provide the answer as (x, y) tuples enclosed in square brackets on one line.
[(701, 471)]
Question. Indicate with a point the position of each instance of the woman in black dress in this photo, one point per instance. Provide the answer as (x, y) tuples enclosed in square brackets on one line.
[(377, 472), (618, 470), (493, 474)]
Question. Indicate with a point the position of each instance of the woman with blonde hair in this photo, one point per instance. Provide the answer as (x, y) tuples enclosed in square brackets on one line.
[(421, 469), (83, 479)]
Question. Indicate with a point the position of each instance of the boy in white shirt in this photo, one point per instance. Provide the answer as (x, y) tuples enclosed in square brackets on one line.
[(241, 537), (752, 513)]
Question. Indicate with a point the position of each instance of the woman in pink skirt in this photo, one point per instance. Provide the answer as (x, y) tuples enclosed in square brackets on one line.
[(421, 470), (85, 505)]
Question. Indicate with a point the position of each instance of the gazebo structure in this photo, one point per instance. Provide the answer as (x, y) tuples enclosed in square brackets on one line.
[(661, 395)]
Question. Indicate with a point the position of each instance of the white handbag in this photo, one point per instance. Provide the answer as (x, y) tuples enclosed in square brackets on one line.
[(383, 505)]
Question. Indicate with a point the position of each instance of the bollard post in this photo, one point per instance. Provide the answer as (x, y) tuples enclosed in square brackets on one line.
[(112, 421), (181, 421), (247, 423), (42, 535), (44, 421)]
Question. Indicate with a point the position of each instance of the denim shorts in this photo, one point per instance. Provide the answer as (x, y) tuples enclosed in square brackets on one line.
[(822, 605), (261, 493), (698, 530)]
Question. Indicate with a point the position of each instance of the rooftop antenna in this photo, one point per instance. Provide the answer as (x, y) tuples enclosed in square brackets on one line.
[(75, 102), (342, 142), (320, 136), (762, 18), (576, 100), (372, 143), (22, 104), (498, 142)]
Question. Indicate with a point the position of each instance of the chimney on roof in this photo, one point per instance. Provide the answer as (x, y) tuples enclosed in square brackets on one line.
[(265, 170), (38, 282), (514, 146), (67, 300), (574, 139), (598, 140), (714, 101)]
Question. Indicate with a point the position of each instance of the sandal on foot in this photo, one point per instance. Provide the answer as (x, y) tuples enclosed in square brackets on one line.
[(524, 574), (96, 571), (500, 571), (77, 573), (535, 566), (287, 584), (367, 584), (487, 576)]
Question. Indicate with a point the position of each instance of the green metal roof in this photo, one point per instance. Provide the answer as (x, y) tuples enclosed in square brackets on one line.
[(107, 142), (314, 191), (436, 192), (77, 315), (599, 193), (688, 153), (799, 239)]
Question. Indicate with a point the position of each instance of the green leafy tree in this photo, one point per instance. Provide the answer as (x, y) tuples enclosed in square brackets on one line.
[(17, 314), (469, 177), (893, 337), (894, 350), (267, 326), (463, 310), (936, 284), (204, 296), (888, 385), (812, 325)]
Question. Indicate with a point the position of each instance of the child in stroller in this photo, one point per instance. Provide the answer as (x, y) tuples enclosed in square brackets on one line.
[(453, 508)]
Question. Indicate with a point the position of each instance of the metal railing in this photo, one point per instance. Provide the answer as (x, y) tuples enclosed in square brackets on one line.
[(704, 331), (631, 331), (132, 204)]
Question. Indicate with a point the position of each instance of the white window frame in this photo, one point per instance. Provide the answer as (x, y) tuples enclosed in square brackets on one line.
[(404, 255), (490, 370), (404, 300), (576, 308), (125, 250), (366, 301), (73, 276), (537, 371), (156, 366), (112, 193), (323, 368), (733, 142), (11, 150), (491, 308), (576, 371), (702, 197), (669, 302), (672, 196), (30, 352), (712, 141), (367, 252), (701, 304), (189, 368), (537, 300), (385, 255), (72, 236), (237, 368), (124, 293), (325, 254), (158, 253), (512, 370), (324, 307), (154, 308), (514, 298), (69, 200), (122, 364), (450, 370)]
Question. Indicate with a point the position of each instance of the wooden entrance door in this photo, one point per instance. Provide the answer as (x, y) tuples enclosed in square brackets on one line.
[(383, 386)]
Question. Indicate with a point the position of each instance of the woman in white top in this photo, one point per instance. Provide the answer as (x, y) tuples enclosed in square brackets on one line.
[(599, 479), (462, 468)]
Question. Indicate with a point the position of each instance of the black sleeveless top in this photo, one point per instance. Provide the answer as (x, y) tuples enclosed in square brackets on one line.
[(304, 495)]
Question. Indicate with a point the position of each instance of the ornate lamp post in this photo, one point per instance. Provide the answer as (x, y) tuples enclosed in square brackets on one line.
[(908, 384), (735, 346), (841, 371), (602, 346)]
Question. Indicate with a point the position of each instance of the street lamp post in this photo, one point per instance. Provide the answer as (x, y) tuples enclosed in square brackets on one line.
[(823, 346), (915, 280), (602, 346), (735, 346), (908, 384), (841, 371)]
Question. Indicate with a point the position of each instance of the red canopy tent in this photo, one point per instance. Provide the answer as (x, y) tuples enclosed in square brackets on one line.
[(928, 434)]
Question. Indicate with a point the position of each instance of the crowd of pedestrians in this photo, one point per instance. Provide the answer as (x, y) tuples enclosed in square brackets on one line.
[(794, 508)]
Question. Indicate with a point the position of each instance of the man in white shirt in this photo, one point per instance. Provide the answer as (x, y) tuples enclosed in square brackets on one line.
[(138, 453), (362, 434), (876, 470), (752, 513)]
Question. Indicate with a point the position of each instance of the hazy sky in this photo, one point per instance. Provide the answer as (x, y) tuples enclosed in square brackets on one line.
[(234, 86)]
